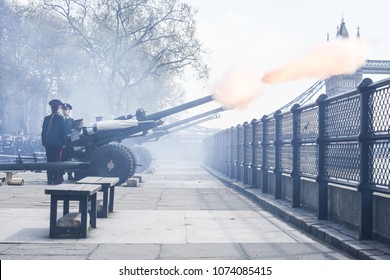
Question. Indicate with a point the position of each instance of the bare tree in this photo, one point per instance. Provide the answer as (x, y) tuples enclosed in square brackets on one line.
[(34, 61), (14, 72), (133, 50), (131, 42)]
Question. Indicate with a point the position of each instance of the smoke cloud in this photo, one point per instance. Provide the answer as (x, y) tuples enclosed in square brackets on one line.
[(239, 89), (341, 56)]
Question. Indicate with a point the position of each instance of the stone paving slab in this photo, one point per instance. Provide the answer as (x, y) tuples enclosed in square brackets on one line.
[(180, 212), (326, 231)]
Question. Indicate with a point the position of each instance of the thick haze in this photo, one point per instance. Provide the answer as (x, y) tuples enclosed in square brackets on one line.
[(253, 37)]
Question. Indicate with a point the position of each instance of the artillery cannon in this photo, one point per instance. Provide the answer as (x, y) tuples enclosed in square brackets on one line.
[(96, 150), (96, 145)]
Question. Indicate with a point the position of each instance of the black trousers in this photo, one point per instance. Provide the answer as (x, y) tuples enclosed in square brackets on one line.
[(67, 154), (54, 154)]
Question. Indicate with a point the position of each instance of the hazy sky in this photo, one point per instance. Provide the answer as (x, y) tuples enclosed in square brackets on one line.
[(261, 35)]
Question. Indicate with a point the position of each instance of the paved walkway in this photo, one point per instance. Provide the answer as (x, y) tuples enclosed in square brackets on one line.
[(179, 212)]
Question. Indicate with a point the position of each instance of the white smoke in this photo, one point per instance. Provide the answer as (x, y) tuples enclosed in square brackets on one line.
[(342, 56), (239, 89)]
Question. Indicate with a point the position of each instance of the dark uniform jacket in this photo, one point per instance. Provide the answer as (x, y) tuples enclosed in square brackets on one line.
[(69, 125), (53, 130)]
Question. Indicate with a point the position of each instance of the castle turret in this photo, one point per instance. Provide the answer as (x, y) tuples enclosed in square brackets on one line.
[(338, 84)]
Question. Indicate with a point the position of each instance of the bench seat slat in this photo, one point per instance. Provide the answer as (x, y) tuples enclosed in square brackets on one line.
[(110, 181), (89, 180), (73, 189)]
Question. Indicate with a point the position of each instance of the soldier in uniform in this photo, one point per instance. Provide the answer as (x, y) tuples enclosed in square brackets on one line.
[(69, 125), (54, 139)]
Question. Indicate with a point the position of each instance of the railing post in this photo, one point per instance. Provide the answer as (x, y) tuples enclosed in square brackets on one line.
[(322, 183), (211, 154), (365, 194), (216, 150), (219, 146), (221, 152), (277, 145), (238, 159), (226, 152), (264, 168), (296, 189), (245, 159), (232, 149), (254, 150)]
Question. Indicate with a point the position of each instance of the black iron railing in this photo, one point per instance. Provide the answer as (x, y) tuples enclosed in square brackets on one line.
[(343, 139)]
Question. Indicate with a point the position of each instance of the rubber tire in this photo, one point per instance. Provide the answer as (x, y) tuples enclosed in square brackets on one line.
[(113, 161), (143, 158), (132, 156)]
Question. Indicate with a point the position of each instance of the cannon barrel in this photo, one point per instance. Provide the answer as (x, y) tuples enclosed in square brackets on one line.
[(179, 108), (94, 138), (190, 119), (163, 130), (193, 123)]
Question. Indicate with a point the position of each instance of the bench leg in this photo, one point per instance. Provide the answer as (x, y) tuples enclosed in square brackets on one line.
[(8, 176), (93, 199), (53, 216), (83, 206), (105, 203), (66, 207), (111, 204)]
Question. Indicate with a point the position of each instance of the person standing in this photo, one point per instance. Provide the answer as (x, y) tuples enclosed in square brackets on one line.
[(54, 139), (69, 125)]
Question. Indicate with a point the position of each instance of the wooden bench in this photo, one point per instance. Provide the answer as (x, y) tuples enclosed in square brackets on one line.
[(108, 189), (82, 193)]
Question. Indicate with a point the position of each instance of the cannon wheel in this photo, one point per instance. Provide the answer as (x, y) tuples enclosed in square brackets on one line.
[(143, 158), (133, 157), (113, 161)]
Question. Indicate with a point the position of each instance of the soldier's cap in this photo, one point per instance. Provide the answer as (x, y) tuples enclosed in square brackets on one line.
[(55, 103), (67, 106)]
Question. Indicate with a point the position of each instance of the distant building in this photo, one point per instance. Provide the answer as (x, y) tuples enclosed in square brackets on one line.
[(338, 84)]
